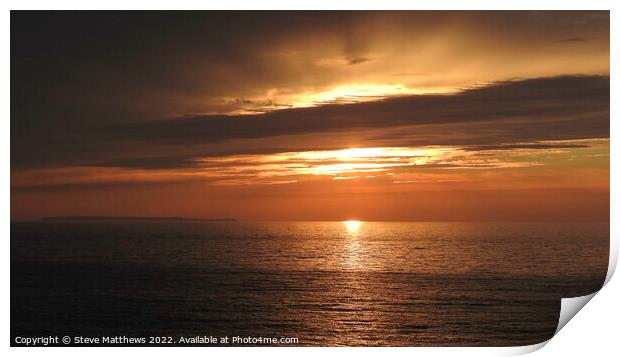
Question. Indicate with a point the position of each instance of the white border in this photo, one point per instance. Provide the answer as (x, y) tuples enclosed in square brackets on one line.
[(594, 328)]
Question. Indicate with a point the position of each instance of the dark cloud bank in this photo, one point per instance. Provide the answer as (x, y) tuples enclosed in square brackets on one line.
[(527, 110)]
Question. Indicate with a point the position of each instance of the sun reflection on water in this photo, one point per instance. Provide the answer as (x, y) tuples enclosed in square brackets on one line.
[(352, 253), (352, 226)]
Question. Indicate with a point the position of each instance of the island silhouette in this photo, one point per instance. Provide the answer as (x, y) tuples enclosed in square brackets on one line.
[(133, 218)]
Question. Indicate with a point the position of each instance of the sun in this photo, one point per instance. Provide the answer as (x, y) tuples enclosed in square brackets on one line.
[(352, 226)]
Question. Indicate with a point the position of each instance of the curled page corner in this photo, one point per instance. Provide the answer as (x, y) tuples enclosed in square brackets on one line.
[(570, 307)]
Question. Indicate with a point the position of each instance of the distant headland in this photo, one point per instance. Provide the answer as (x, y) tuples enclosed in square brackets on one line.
[(131, 218)]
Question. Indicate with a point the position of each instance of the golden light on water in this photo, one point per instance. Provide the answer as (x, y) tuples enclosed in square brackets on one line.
[(352, 226)]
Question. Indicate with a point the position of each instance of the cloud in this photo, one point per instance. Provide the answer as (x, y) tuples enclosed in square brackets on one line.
[(357, 60), (398, 165), (528, 146), (496, 114), (566, 98)]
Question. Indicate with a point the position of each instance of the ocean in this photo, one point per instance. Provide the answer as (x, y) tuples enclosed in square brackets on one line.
[(301, 283)]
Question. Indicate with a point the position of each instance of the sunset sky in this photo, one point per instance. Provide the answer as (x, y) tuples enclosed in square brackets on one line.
[(469, 116)]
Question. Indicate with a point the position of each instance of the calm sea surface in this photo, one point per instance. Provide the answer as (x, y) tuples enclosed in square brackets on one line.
[(390, 284)]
